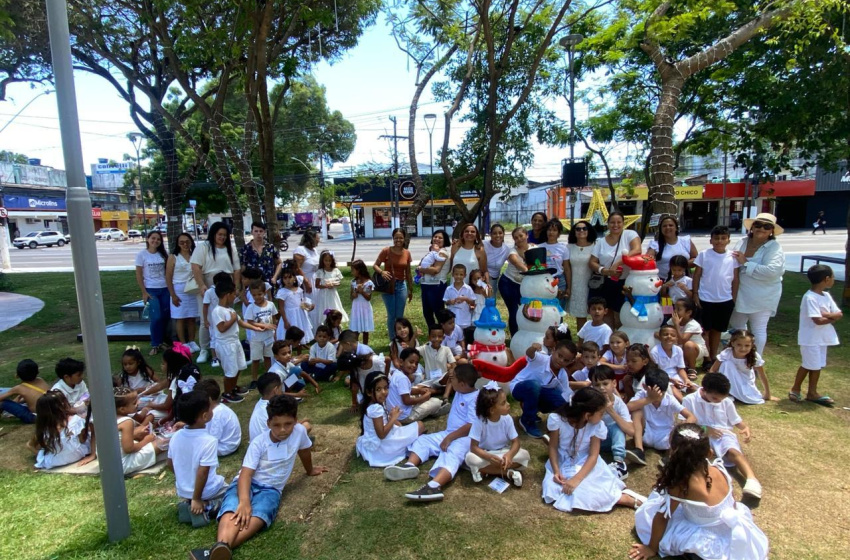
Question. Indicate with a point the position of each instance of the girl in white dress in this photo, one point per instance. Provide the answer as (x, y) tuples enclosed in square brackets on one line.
[(362, 318), (740, 363), (576, 476), (137, 446), (135, 371), (61, 436), (692, 510), (293, 307), (384, 440), (328, 278)]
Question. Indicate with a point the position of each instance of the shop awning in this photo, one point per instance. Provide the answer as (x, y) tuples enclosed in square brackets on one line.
[(788, 188)]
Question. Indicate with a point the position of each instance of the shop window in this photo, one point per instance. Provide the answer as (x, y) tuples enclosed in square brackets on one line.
[(440, 217), (381, 218)]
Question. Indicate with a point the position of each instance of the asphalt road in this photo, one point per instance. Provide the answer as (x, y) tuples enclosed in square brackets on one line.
[(114, 255)]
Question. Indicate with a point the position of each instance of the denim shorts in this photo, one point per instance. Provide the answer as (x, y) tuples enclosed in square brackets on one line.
[(265, 502)]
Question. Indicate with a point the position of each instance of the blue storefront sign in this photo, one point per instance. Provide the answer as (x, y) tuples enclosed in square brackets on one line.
[(18, 202)]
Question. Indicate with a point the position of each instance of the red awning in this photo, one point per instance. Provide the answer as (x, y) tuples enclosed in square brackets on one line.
[(788, 188), (715, 190)]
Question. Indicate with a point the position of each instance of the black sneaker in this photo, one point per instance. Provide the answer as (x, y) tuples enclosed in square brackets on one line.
[(220, 551), (620, 469), (252, 386), (232, 398), (242, 391), (636, 456), (426, 494)]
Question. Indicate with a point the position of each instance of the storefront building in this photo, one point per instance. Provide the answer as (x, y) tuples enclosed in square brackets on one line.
[(630, 201), (787, 200), (29, 213)]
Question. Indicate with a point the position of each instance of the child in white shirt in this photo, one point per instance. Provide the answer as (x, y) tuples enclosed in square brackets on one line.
[(679, 285), (224, 424), (596, 330), (459, 297), (715, 287), (481, 290), (690, 334), (210, 302), (321, 364), (383, 438), (816, 332), (452, 334), (262, 314), (670, 358), (268, 386), (617, 419), (228, 347), (293, 379), (414, 402), (193, 457), (437, 361), (70, 373)]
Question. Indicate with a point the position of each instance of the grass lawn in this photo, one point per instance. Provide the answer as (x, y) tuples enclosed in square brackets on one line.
[(799, 452)]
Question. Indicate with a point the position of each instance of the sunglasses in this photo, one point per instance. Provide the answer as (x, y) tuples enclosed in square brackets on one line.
[(579, 229), (762, 225)]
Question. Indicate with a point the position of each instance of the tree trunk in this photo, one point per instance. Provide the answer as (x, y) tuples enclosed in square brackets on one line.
[(661, 155)]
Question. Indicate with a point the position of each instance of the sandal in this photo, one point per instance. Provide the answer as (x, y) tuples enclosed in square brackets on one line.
[(823, 400), (692, 374), (638, 498), (154, 351), (795, 397)]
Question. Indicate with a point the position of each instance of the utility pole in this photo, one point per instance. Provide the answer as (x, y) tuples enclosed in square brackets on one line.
[(393, 190)]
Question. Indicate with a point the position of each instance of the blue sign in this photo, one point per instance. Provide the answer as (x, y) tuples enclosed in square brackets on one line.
[(18, 202)]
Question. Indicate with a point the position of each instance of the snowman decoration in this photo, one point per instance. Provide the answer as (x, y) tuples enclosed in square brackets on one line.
[(489, 347), (540, 308), (641, 314)]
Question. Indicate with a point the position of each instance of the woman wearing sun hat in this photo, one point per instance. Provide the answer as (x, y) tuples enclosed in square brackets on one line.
[(760, 286)]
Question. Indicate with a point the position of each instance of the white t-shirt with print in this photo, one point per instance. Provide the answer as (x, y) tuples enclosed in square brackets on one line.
[(556, 254), (271, 461), (263, 314), (494, 436), (153, 268)]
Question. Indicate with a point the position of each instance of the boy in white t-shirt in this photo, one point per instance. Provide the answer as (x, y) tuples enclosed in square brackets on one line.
[(262, 314), (589, 358), (224, 424), (193, 457), (416, 402), (438, 361), (459, 297), (252, 500), (269, 385), (321, 363), (818, 313), (228, 348), (669, 357), (715, 288), (210, 302), (617, 419), (596, 330), (452, 333)]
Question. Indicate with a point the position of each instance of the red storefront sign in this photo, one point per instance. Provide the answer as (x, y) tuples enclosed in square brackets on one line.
[(96, 213)]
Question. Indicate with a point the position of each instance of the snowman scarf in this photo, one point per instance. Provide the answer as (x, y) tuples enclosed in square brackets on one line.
[(476, 348), (639, 306)]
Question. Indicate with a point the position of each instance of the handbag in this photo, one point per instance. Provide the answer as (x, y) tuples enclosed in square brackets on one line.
[(382, 284), (191, 286)]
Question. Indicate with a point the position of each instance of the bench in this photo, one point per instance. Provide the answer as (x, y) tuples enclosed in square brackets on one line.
[(818, 259)]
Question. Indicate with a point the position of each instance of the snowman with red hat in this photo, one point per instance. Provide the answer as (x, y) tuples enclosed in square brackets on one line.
[(540, 308), (641, 314)]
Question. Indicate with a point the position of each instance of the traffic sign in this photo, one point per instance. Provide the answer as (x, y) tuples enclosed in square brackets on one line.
[(3, 213), (193, 203)]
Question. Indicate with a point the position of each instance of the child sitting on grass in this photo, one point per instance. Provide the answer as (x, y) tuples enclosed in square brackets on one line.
[(713, 409), (617, 419), (70, 373), (224, 424), (689, 334), (20, 401), (193, 458), (293, 378), (669, 357), (596, 330), (437, 361), (61, 436), (452, 334), (135, 371), (252, 500), (615, 358), (740, 363), (321, 363), (589, 358), (137, 445), (383, 440), (415, 402)]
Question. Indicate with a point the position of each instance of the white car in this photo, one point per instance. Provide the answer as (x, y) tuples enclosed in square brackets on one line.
[(110, 234), (43, 238), (132, 233)]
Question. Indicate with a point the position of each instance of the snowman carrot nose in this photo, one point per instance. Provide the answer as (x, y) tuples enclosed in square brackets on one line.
[(554, 282), (659, 283)]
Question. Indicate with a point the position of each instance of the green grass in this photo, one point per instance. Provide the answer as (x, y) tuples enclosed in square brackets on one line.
[(798, 452)]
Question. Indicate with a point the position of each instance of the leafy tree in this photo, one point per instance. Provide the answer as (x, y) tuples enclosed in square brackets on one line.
[(24, 49), (13, 157)]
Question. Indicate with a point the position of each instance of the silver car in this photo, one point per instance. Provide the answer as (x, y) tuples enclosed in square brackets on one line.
[(110, 234), (40, 238)]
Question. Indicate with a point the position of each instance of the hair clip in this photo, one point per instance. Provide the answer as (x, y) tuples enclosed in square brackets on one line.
[(327, 312), (492, 386), (131, 347), (188, 385), (689, 433), (570, 402), (563, 328), (182, 349)]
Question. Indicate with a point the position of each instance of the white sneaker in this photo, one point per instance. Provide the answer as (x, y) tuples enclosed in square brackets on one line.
[(515, 477), (193, 346), (752, 488), (203, 357), (215, 363)]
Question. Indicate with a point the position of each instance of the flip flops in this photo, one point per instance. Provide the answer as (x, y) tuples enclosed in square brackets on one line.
[(795, 397), (823, 400)]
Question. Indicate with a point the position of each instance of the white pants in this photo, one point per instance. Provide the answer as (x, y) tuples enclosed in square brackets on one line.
[(476, 463), (425, 409), (428, 445), (758, 326)]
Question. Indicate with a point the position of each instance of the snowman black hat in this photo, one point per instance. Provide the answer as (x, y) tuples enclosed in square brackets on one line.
[(535, 260)]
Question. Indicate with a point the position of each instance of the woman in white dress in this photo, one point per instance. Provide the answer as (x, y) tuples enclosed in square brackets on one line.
[(184, 307), (668, 243), (576, 476), (384, 441), (306, 257), (692, 510), (497, 255), (469, 251), (580, 240), (326, 290)]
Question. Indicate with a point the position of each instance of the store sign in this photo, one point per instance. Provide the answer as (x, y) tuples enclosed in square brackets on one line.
[(113, 168), (689, 193), (96, 213), (16, 202), (642, 193), (407, 190)]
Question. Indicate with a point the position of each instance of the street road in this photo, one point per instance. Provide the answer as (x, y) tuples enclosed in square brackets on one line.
[(114, 255)]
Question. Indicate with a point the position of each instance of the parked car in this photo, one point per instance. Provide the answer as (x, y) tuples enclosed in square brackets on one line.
[(43, 238), (110, 234), (133, 233)]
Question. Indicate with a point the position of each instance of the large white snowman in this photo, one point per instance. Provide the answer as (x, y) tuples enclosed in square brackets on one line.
[(539, 307), (641, 314)]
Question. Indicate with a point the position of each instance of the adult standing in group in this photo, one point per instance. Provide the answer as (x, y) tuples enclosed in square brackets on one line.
[(396, 261), (184, 307), (210, 257), (509, 283), (606, 261), (580, 240), (538, 228), (469, 251), (150, 275), (762, 263), (306, 257), (259, 253), (497, 255), (558, 257), (434, 269), (668, 243)]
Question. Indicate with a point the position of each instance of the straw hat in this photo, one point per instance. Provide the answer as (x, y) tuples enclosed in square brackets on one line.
[(764, 217)]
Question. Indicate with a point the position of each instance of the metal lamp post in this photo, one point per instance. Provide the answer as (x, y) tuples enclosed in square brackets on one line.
[(430, 121), (569, 42), (136, 139)]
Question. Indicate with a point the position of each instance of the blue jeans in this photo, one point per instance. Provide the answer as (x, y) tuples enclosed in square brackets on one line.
[(534, 397), (320, 373), (432, 301), (160, 317), (562, 287), (510, 293), (616, 440), (18, 410), (395, 304)]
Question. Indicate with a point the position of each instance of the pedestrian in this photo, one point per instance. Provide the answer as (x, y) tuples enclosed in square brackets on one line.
[(820, 223)]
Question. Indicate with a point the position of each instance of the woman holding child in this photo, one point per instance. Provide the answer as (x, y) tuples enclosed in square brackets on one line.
[(434, 269), (760, 282)]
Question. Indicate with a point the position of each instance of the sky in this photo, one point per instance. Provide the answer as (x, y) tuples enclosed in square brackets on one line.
[(371, 83)]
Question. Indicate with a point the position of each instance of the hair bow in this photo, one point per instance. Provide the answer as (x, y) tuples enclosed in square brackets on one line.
[(327, 312), (689, 433), (492, 386), (188, 385), (181, 348), (131, 347), (563, 328)]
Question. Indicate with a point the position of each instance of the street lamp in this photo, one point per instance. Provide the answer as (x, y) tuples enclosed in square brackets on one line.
[(136, 139), (430, 121), (569, 42)]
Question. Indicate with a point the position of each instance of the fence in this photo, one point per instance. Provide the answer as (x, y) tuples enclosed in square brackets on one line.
[(516, 217)]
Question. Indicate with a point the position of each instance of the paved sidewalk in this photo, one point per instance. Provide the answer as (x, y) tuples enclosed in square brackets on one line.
[(17, 308)]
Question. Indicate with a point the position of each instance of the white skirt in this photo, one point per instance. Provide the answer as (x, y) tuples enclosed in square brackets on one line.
[(599, 491), (743, 384), (390, 450), (188, 304)]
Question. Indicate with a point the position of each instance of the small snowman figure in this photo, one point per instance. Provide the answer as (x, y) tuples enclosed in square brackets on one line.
[(489, 337), (540, 307), (641, 314)]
